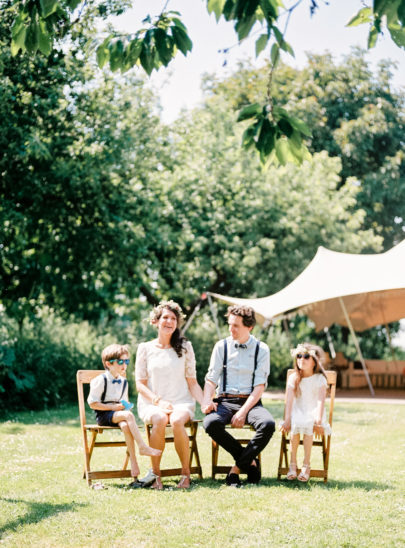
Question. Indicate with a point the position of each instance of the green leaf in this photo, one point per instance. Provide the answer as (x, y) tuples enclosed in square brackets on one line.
[(282, 150), (261, 43), (265, 142), (269, 9), (48, 7), (401, 12), (372, 37), (300, 126), (73, 4), (133, 51), (275, 54), (244, 26), (116, 55), (164, 46), (285, 127), (147, 58), (44, 39), (251, 111), (32, 37), (217, 7), (18, 40), (103, 53), (182, 40), (362, 16), (228, 9), (397, 34)]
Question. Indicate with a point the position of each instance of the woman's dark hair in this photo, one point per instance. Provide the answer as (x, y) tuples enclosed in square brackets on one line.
[(177, 340)]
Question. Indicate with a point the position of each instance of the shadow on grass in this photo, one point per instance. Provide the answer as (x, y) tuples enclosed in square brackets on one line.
[(219, 484), (36, 512)]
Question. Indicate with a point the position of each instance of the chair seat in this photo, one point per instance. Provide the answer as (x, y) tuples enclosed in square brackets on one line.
[(243, 439), (194, 454)]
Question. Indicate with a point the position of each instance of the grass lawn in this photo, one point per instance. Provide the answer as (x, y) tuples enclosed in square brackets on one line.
[(45, 502)]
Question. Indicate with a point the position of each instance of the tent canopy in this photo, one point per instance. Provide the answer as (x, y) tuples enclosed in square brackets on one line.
[(372, 288)]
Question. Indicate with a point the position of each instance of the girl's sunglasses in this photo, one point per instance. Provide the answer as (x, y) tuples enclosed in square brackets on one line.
[(120, 362), (305, 356)]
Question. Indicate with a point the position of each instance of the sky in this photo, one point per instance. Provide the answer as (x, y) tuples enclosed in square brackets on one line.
[(178, 85)]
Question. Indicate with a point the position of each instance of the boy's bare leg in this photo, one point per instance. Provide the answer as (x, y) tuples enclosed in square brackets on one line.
[(130, 420), (129, 440)]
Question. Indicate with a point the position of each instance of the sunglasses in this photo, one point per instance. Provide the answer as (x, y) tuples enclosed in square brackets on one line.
[(120, 362), (305, 356)]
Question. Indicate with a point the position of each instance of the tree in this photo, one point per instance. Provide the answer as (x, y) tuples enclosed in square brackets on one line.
[(354, 115), (75, 150), (274, 132), (230, 227)]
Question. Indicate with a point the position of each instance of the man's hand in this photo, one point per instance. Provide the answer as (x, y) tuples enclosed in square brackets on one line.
[(207, 407), (239, 419)]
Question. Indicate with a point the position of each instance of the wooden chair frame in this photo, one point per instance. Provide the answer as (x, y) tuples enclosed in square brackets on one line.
[(93, 430), (194, 454), (324, 442), (224, 469)]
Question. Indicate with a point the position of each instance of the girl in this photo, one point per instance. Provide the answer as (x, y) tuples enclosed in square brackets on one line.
[(305, 405)]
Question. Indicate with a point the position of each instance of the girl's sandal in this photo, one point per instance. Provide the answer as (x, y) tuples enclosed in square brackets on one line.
[(184, 482), (157, 485), (304, 476), (292, 471)]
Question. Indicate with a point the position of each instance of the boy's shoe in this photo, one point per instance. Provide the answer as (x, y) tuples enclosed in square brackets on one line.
[(233, 480), (136, 484), (254, 474), (149, 479)]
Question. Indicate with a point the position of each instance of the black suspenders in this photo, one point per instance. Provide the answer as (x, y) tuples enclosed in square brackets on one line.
[(225, 363), (124, 385)]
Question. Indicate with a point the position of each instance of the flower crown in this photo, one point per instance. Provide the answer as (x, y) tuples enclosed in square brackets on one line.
[(301, 348), (172, 305)]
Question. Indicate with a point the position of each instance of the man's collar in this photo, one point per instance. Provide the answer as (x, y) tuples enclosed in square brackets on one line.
[(250, 339)]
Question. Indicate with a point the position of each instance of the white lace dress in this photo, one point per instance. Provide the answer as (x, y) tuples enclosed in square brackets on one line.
[(165, 374), (304, 408)]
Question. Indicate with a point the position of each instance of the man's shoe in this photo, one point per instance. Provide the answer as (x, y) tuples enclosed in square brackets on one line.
[(254, 474), (233, 480)]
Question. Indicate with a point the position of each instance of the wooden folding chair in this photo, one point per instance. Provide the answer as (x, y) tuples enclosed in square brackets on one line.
[(324, 442), (192, 426), (93, 430), (244, 439)]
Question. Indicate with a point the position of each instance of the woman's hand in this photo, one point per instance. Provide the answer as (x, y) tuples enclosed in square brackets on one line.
[(286, 426), (165, 405), (318, 430)]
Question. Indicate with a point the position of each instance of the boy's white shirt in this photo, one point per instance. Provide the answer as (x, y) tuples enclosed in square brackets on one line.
[(113, 392)]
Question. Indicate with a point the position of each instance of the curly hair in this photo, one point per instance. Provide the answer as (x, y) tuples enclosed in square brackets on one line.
[(245, 312), (316, 353), (177, 341)]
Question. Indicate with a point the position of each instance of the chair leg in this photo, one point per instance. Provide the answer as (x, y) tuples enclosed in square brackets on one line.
[(194, 448), (214, 459)]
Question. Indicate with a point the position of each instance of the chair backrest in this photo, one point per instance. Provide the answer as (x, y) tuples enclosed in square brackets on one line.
[(331, 380), (84, 376)]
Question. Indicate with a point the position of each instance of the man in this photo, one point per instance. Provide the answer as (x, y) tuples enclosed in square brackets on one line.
[(239, 368)]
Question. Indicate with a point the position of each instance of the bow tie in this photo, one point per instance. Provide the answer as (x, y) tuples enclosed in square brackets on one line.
[(240, 345), (118, 381)]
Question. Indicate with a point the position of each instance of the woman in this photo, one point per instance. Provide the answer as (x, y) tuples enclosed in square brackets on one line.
[(166, 382)]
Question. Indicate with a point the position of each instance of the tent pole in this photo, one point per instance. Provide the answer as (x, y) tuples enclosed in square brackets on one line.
[(214, 315), (191, 317), (356, 344), (330, 343), (387, 330)]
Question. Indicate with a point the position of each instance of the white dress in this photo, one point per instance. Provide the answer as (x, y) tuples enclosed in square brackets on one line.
[(165, 374), (304, 408)]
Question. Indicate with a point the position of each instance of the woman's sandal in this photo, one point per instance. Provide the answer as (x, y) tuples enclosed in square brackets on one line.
[(292, 471), (157, 484), (304, 476), (184, 482)]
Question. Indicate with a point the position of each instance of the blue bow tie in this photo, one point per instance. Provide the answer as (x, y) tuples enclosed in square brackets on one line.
[(118, 381), (240, 345)]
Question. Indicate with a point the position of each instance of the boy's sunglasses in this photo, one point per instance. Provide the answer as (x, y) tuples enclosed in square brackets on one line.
[(305, 356), (120, 362)]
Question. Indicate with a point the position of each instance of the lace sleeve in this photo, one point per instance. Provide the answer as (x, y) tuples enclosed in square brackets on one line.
[(190, 362), (141, 372)]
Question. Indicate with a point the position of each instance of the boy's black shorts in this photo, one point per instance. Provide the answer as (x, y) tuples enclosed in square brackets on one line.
[(104, 418)]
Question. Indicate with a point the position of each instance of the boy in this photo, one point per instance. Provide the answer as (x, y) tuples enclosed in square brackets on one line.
[(106, 391)]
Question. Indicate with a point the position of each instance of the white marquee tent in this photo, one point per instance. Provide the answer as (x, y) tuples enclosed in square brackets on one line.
[(357, 291)]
